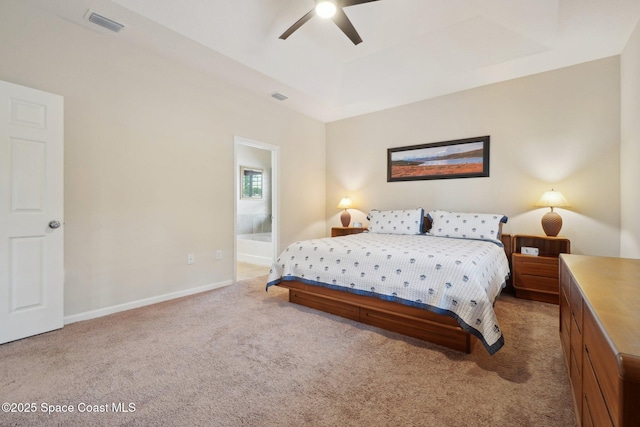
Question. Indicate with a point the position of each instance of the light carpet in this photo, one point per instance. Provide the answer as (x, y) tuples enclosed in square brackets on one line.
[(238, 356)]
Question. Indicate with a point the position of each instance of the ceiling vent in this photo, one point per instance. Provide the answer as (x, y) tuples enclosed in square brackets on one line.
[(104, 22), (279, 96)]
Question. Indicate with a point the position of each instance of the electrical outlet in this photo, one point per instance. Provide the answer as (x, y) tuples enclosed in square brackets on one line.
[(218, 254), (525, 250), (191, 259)]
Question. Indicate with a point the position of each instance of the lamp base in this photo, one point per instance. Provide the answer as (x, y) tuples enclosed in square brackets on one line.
[(551, 224), (345, 218)]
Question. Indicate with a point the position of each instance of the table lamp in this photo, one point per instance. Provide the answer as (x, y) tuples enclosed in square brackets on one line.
[(345, 217), (552, 221)]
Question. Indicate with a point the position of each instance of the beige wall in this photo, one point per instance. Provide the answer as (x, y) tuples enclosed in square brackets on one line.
[(149, 172), (558, 129), (630, 147)]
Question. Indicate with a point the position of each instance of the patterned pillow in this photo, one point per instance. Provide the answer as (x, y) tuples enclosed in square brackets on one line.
[(396, 221), (466, 225)]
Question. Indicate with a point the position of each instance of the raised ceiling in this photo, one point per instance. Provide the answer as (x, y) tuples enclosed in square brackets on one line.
[(412, 49)]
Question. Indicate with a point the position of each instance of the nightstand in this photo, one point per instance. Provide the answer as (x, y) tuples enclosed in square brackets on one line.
[(536, 277), (345, 231)]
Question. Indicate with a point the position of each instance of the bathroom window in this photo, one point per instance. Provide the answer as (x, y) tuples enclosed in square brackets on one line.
[(251, 183)]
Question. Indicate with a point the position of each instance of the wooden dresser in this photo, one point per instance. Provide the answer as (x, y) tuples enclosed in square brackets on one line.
[(600, 335)]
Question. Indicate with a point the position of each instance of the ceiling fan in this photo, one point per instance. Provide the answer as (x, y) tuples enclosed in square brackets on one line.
[(331, 9)]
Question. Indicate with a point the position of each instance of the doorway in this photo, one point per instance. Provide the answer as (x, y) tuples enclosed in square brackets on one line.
[(256, 201)]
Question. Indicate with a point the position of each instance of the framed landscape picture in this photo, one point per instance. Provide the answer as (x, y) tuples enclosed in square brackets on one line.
[(462, 158)]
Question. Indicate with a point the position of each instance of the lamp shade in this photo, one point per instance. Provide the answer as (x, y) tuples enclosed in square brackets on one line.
[(345, 203), (345, 217), (553, 199), (552, 221)]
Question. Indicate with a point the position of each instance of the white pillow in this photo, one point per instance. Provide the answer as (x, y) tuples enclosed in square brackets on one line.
[(396, 221), (466, 225)]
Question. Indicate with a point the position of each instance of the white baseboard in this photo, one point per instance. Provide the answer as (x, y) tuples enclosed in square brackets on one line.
[(141, 303)]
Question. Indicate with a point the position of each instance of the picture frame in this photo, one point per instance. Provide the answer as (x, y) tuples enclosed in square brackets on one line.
[(460, 158)]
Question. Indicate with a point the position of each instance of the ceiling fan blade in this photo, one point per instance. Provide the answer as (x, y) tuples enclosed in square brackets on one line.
[(347, 3), (346, 26), (299, 23)]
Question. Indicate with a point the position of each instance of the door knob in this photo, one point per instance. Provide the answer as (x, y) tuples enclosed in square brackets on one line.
[(54, 224)]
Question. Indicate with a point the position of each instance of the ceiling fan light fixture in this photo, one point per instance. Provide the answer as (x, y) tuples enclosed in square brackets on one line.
[(325, 8), (330, 9)]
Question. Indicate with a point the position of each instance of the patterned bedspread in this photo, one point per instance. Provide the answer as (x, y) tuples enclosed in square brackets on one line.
[(458, 277)]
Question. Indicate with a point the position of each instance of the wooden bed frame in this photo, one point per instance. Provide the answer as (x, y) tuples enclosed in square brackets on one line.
[(418, 323)]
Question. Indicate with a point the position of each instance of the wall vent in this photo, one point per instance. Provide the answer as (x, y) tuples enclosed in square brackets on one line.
[(104, 22), (279, 96)]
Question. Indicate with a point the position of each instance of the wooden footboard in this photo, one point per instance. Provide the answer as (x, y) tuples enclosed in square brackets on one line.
[(411, 321)]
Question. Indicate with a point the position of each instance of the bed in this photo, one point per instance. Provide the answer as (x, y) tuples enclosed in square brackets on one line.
[(439, 286)]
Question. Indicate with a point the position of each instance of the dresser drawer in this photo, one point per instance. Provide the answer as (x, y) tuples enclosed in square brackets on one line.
[(576, 345), (537, 283), (565, 280), (565, 312), (535, 266), (594, 409), (576, 358), (565, 328), (587, 421), (575, 301), (576, 380), (566, 349), (604, 363)]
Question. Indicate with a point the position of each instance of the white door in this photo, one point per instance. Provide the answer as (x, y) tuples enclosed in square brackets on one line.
[(31, 212)]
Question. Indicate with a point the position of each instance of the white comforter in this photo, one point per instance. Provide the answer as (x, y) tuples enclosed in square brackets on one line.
[(457, 277)]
